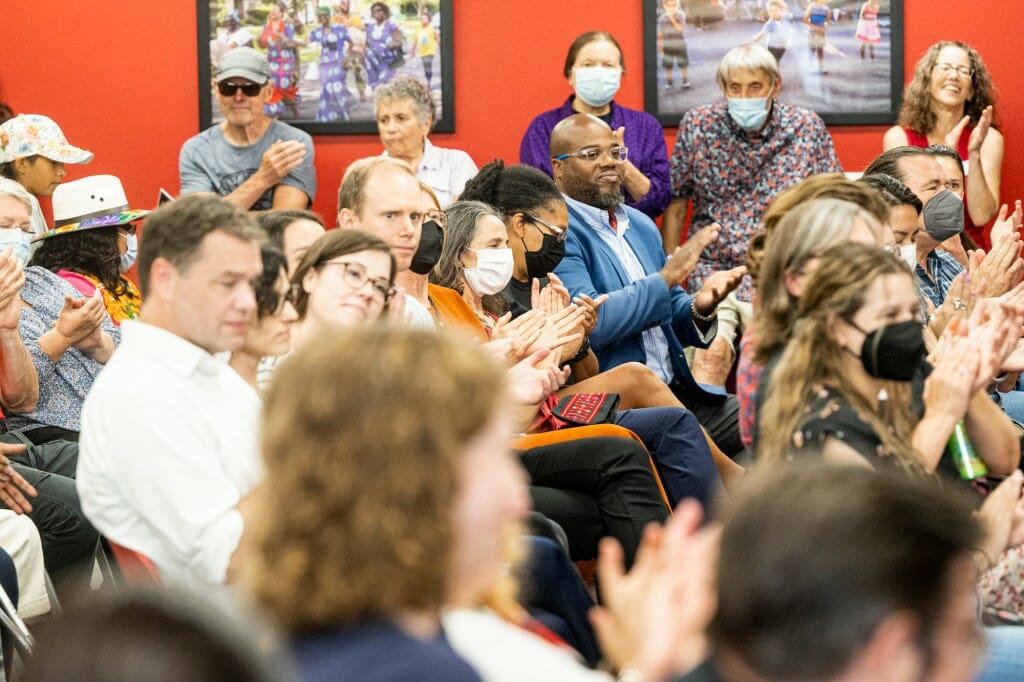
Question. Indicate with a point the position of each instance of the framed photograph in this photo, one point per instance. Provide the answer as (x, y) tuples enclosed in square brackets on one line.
[(325, 65), (841, 58)]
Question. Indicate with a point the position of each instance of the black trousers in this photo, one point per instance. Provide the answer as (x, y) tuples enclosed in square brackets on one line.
[(594, 487), (719, 416), (67, 536)]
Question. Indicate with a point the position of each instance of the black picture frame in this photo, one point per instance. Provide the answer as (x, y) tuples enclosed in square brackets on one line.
[(853, 91), (210, 15)]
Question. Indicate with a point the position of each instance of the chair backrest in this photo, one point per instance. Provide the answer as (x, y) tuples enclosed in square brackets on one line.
[(135, 567)]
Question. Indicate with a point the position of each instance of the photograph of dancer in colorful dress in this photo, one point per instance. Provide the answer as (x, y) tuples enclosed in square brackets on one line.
[(385, 46), (333, 41), (278, 38), (327, 58)]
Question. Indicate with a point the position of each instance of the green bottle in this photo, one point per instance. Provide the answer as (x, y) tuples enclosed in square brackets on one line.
[(967, 462)]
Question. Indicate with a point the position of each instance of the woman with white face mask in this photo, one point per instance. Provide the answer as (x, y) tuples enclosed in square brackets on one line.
[(594, 68), (476, 259), (93, 242)]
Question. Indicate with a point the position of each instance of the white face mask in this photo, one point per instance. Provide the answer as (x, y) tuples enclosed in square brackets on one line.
[(492, 272), (131, 252), (908, 254), (18, 240), (596, 85)]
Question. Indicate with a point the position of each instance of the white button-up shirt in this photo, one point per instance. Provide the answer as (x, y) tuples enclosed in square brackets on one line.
[(169, 445), (446, 171)]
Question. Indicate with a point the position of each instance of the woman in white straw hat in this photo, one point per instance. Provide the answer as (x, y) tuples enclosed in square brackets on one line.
[(33, 151), (93, 241)]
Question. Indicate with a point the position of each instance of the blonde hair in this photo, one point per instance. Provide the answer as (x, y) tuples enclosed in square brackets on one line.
[(364, 431), (830, 185), (801, 235), (813, 358)]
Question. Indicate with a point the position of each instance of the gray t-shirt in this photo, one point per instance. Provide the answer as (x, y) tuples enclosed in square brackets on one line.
[(209, 163)]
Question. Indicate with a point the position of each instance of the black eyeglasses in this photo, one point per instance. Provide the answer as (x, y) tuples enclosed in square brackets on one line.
[(560, 233), (355, 276), (249, 89), (129, 228)]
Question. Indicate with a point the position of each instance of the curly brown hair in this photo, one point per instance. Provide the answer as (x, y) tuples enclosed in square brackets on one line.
[(916, 111), (364, 431)]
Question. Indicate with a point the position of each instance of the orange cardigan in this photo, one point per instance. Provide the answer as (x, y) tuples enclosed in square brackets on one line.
[(455, 313)]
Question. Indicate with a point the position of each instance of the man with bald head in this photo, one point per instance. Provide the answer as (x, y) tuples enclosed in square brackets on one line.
[(614, 249)]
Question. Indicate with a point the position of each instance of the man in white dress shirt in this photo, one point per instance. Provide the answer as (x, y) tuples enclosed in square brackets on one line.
[(169, 447)]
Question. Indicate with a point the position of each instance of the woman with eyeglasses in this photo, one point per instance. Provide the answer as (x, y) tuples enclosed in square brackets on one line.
[(269, 334), (345, 279), (536, 221), (594, 66), (950, 101)]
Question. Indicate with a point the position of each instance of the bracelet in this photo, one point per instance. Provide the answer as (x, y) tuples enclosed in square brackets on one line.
[(580, 356), (706, 319)]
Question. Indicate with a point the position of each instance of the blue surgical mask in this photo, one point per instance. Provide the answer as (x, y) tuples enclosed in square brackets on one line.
[(18, 240), (750, 113), (596, 85), (131, 252)]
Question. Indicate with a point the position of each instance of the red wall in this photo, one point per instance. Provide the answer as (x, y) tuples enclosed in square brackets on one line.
[(120, 78)]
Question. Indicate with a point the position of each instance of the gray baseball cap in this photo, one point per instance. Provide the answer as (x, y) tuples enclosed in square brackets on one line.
[(244, 62)]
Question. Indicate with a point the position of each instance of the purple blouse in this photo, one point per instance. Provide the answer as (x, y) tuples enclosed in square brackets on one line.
[(644, 139)]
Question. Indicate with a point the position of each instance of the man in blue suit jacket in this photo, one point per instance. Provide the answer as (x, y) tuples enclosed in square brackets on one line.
[(614, 249)]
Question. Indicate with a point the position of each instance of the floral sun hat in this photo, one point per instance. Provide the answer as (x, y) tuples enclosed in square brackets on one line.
[(36, 135)]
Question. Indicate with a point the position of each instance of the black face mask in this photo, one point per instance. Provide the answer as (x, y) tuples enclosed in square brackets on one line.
[(539, 263), (429, 250), (893, 351)]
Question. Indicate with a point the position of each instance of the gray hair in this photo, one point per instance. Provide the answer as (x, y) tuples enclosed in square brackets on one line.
[(462, 218), (411, 89), (10, 188), (747, 57)]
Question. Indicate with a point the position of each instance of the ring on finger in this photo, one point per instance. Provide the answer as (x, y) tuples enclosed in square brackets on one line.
[(958, 304)]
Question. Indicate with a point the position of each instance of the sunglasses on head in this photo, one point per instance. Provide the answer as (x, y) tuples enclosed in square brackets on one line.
[(249, 89)]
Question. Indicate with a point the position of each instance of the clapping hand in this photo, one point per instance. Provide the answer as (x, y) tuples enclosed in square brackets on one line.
[(683, 259), (13, 487), (654, 617), (12, 277)]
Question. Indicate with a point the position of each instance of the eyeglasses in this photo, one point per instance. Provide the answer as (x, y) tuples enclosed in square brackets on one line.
[(249, 89), (943, 69), (129, 228), (560, 233), (592, 154), (354, 275), (439, 217)]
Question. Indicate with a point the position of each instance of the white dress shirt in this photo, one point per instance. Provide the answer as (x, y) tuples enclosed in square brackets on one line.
[(446, 171), (169, 445)]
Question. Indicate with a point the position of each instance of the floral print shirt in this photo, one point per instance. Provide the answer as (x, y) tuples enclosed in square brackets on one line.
[(63, 385), (732, 177)]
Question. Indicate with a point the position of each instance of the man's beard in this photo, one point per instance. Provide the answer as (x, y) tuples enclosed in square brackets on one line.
[(589, 193)]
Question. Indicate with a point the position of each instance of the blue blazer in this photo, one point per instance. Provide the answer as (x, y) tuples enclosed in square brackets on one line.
[(591, 267)]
